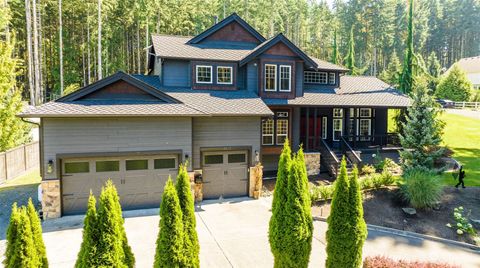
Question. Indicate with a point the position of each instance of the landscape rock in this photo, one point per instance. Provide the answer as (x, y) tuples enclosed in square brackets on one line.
[(410, 211)]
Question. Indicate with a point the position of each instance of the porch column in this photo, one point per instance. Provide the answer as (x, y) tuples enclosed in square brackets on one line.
[(307, 123), (295, 127), (315, 133)]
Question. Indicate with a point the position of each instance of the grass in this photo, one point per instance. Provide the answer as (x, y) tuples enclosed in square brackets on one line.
[(32, 177)]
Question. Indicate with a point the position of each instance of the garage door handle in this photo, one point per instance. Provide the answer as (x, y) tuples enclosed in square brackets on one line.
[(67, 194)]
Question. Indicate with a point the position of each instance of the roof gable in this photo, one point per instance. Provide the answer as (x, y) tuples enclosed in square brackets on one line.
[(232, 28), (119, 86), (279, 45)]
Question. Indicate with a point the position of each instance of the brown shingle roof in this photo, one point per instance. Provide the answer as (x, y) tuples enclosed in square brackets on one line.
[(325, 65)]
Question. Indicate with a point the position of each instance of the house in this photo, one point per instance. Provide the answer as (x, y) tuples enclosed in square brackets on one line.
[(221, 101), (471, 66)]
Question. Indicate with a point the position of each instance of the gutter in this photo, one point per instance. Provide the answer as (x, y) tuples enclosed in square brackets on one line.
[(30, 122)]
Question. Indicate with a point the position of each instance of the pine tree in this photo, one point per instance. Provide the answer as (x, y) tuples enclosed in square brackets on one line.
[(339, 236), (37, 234), (454, 85), (298, 239), (191, 245), (422, 132), (350, 59), (112, 249), (87, 255), (406, 78), (277, 226), (392, 73), (358, 225), (169, 251)]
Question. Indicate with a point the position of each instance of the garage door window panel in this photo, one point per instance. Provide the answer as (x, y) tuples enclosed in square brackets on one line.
[(236, 158), (107, 166), (213, 159), (169, 163), (140, 164), (77, 167)]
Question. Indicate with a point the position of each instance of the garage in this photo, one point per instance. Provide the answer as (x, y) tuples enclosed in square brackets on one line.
[(139, 179), (225, 174)]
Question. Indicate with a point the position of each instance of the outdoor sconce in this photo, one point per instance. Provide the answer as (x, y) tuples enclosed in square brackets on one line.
[(50, 166), (186, 156), (257, 156)]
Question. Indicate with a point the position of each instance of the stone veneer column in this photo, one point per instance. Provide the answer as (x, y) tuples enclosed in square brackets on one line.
[(255, 181), (312, 161), (51, 199), (197, 190)]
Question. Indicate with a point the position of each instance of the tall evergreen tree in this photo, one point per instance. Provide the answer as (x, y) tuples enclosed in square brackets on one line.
[(37, 234), (392, 73), (335, 53), (191, 245), (88, 249), (278, 226), (350, 59), (406, 78), (170, 241), (12, 234), (454, 85)]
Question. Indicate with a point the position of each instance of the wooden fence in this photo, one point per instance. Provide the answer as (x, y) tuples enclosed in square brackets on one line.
[(17, 161), (467, 105)]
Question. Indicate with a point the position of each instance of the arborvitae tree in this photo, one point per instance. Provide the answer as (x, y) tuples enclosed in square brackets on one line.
[(422, 131), (278, 226), (392, 73), (454, 85), (37, 234), (112, 249), (185, 198), (339, 236), (350, 59), (87, 255), (170, 241), (12, 234), (335, 53), (407, 77), (298, 238), (358, 225)]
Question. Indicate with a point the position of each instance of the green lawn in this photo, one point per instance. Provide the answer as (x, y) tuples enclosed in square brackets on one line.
[(33, 177)]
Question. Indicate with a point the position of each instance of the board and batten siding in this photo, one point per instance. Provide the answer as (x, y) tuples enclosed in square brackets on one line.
[(102, 135), (225, 132)]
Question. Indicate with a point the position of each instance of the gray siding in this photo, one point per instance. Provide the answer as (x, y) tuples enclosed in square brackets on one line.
[(252, 77), (176, 73), (225, 132), (91, 135)]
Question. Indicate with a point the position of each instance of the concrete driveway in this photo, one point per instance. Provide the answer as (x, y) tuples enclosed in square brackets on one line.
[(233, 233)]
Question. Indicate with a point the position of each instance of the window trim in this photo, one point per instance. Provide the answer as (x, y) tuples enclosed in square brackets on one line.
[(337, 116), (231, 75), (333, 128), (276, 130), (268, 135), (289, 78), (265, 78), (196, 74)]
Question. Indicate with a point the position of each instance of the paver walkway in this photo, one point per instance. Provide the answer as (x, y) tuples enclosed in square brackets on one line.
[(234, 234)]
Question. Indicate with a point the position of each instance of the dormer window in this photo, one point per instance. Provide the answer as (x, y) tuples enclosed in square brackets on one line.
[(323, 78), (204, 74), (224, 75), (285, 78), (270, 77)]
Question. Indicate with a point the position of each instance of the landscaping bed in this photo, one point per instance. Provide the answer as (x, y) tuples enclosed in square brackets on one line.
[(383, 207)]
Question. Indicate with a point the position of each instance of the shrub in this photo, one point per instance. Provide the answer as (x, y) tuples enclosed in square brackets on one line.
[(366, 183), (462, 224), (387, 178), (368, 169), (169, 251), (37, 234), (191, 246), (454, 85), (385, 262), (421, 188), (377, 181), (88, 249), (321, 192)]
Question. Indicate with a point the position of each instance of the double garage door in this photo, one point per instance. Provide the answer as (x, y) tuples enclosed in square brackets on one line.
[(139, 180)]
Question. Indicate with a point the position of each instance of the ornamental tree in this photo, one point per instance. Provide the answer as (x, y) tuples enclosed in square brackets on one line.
[(170, 241), (185, 198), (37, 234), (454, 85), (88, 249), (278, 226)]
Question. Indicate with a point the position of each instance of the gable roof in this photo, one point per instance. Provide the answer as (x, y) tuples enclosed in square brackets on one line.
[(119, 76), (233, 17), (470, 65), (273, 41)]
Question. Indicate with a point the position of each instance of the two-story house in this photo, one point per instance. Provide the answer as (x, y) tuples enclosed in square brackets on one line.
[(222, 101)]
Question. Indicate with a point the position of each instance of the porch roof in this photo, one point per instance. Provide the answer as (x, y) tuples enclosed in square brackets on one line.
[(355, 91)]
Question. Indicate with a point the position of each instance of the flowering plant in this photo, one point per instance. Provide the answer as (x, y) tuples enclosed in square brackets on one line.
[(463, 225)]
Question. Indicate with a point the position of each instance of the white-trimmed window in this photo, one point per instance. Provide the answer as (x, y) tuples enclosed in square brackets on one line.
[(337, 112), (285, 78), (315, 77), (224, 75), (337, 129), (204, 74), (267, 132), (324, 127), (270, 77), (365, 112), (365, 129), (331, 78), (282, 127)]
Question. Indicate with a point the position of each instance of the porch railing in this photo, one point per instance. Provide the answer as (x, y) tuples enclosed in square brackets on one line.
[(372, 141), (328, 158), (350, 153)]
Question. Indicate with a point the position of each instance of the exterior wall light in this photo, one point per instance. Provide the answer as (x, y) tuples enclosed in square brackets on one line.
[(257, 156), (50, 166)]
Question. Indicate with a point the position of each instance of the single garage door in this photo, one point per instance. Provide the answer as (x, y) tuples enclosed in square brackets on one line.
[(225, 174), (139, 180)]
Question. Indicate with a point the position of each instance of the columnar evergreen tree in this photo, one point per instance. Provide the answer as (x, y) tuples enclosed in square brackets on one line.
[(185, 198), (170, 241), (335, 53), (278, 226), (299, 222), (350, 59), (112, 247), (422, 131), (88, 249), (407, 77), (454, 85), (37, 234), (12, 234)]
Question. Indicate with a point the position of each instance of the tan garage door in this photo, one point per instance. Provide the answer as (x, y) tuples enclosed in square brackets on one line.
[(139, 180), (225, 174)]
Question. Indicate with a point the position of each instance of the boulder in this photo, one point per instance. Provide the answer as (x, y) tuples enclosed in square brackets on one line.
[(410, 211)]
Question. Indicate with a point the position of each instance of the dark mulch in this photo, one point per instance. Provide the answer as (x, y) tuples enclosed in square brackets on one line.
[(384, 207)]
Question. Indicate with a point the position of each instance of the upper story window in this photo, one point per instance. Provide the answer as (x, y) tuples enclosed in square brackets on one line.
[(285, 78), (224, 75), (323, 78), (331, 78), (204, 74), (270, 77)]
